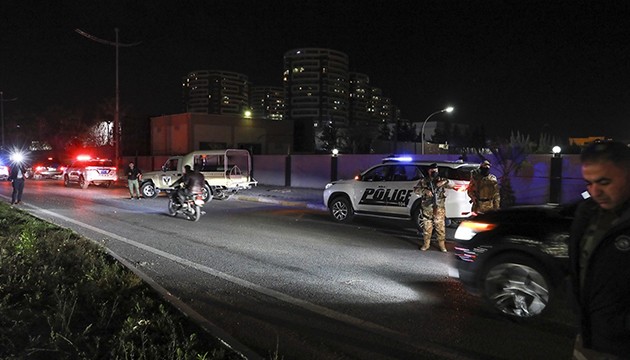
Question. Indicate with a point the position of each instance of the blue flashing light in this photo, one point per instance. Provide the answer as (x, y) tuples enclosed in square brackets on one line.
[(402, 158)]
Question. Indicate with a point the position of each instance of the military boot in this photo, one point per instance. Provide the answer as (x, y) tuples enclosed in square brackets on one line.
[(442, 246), (427, 244)]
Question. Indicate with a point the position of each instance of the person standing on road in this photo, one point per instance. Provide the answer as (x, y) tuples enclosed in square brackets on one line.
[(599, 253), (433, 213), (483, 189), (16, 177), (134, 175)]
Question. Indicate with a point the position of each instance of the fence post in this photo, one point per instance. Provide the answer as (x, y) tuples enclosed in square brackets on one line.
[(287, 171), (555, 179)]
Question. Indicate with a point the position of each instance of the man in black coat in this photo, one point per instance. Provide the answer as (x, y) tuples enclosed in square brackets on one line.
[(17, 180), (599, 251)]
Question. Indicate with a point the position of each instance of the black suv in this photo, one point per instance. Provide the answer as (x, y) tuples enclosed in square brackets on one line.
[(515, 258)]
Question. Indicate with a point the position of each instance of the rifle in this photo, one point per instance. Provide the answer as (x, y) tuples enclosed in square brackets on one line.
[(433, 192)]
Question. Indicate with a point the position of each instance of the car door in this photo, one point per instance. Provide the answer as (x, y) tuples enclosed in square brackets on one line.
[(365, 191), (170, 173), (385, 190), (74, 171), (400, 196)]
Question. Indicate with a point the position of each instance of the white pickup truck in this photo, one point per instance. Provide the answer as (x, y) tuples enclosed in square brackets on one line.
[(225, 172)]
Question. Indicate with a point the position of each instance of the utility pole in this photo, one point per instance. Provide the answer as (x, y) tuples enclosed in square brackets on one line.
[(2, 100), (116, 44)]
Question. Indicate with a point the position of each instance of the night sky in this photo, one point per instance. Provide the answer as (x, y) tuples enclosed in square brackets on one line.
[(556, 66)]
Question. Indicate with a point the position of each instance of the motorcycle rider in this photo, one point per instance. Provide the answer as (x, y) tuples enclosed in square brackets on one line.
[(192, 181)]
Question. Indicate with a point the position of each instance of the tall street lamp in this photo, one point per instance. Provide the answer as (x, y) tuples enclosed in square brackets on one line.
[(116, 44), (448, 109), (2, 100)]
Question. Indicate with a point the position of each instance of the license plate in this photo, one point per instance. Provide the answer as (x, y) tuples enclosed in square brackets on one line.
[(104, 172)]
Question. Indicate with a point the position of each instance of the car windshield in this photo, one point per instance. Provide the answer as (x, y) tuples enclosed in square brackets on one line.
[(461, 173)]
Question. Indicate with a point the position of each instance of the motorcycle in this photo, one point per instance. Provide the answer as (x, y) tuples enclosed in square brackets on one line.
[(191, 208)]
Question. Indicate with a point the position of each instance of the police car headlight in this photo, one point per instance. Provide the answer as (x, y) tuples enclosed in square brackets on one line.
[(468, 229), (328, 185)]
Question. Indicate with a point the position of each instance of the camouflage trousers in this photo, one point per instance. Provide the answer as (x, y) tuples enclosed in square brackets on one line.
[(433, 218)]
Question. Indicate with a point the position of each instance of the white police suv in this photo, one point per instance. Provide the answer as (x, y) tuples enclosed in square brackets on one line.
[(386, 190)]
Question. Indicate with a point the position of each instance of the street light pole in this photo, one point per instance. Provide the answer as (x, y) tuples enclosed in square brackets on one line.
[(448, 109), (2, 100), (116, 44)]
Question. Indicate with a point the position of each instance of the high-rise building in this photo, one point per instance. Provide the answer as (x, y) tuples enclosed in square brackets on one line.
[(316, 84), (267, 102), (360, 99), (381, 108), (215, 92)]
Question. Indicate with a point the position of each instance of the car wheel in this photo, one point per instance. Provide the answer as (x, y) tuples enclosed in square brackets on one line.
[(517, 286), (84, 184), (416, 217), (148, 190), (341, 209), (66, 181), (220, 193), (206, 193)]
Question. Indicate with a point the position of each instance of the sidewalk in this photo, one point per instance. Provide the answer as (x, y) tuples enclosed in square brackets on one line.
[(286, 196)]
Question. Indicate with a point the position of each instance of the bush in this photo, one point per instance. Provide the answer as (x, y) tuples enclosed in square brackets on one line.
[(63, 297)]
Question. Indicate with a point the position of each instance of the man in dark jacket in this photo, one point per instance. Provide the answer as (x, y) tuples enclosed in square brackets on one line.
[(599, 251), (193, 182), (17, 181)]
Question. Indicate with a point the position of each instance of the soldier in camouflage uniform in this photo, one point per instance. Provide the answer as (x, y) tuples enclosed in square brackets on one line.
[(484, 189), (431, 188)]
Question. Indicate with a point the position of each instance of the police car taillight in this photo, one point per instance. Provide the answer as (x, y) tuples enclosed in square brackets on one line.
[(460, 187)]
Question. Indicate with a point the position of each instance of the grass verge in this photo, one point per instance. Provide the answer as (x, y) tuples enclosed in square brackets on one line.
[(63, 297)]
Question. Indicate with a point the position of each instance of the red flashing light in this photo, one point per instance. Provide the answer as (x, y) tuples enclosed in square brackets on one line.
[(84, 157)]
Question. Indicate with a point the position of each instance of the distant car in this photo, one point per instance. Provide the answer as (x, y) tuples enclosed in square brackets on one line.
[(386, 190), (85, 171), (515, 258), (4, 166), (4, 172), (48, 168)]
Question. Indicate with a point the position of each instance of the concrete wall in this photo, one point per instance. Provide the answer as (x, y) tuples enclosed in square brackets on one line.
[(186, 132), (531, 184)]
